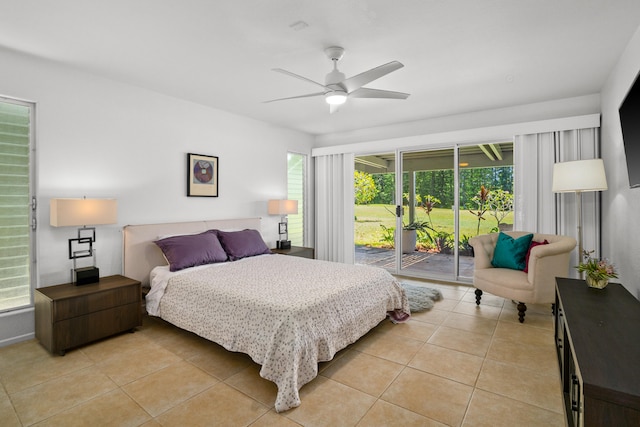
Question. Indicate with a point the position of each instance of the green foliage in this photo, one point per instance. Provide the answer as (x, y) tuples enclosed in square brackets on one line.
[(416, 198), (443, 242), (435, 196), (598, 269), (368, 230), (388, 235), (364, 188), (417, 225), (428, 203), (464, 246), (440, 184), (385, 184)]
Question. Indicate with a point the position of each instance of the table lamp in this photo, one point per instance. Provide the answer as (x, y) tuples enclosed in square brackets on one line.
[(283, 208), (82, 213)]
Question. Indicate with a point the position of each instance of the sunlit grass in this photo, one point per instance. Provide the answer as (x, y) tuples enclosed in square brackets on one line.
[(370, 217)]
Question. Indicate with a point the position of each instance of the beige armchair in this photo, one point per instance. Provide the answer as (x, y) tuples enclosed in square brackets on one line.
[(537, 286)]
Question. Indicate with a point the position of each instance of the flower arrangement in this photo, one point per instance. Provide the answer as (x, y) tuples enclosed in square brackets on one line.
[(597, 269)]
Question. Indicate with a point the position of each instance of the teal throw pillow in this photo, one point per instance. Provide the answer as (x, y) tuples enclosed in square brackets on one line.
[(511, 253)]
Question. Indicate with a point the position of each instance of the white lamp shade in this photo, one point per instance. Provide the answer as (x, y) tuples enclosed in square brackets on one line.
[(579, 176), (78, 212), (283, 207)]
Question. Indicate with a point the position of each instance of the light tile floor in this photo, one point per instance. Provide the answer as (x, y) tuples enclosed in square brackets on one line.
[(457, 364)]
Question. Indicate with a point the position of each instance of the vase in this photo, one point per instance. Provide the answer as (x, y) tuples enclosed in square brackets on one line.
[(597, 283)]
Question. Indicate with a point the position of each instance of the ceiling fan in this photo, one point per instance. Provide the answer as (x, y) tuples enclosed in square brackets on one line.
[(337, 88)]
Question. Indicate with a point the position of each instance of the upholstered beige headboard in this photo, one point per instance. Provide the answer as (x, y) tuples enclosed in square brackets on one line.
[(141, 255)]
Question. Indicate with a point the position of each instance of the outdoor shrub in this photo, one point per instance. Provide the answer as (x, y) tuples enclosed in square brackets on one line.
[(444, 242), (388, 235)]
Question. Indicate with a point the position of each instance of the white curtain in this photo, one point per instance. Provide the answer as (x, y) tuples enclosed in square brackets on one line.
[(334, 207), (534, 156), (540, 210)]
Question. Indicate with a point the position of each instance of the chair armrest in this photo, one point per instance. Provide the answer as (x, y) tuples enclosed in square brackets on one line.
[(551, 260), (483, 247)]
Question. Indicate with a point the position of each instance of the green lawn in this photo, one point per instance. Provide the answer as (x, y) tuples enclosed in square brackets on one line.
[(370, 217)]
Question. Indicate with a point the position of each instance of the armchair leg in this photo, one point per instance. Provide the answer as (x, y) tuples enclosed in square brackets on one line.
[(522, 307), (478, 296)]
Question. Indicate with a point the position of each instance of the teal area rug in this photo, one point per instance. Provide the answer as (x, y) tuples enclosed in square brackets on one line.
[(421, 298)]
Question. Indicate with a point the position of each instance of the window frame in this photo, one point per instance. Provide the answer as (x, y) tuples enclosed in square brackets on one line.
[(302, 207), (33, 271)]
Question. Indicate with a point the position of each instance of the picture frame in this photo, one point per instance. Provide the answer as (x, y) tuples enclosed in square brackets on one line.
[(202, 175)]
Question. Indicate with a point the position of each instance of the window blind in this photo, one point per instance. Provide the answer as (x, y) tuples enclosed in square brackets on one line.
[(15, 238), (295, 191)]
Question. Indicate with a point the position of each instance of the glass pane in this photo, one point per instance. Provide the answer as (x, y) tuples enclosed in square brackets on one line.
[(428, 220), (486, 195), (15, 282), (296, 168), (374, 210)]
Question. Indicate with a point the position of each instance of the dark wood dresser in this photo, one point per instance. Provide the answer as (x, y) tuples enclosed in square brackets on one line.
[(68, 316), (597, 335)]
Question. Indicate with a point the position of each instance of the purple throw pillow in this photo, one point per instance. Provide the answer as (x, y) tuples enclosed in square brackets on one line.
[(242, 244), (192, 250)]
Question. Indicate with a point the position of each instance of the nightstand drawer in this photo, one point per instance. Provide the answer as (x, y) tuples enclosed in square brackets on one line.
[(74, 307), (79, 330)]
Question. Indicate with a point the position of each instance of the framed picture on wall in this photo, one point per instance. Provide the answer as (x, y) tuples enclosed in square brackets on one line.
[(202, 175)]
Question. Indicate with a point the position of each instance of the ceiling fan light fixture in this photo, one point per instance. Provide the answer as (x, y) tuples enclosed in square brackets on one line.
[(337, 97), (337, 87)]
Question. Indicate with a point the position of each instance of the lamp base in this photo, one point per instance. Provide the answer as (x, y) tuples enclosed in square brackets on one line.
[(283, 244), (86, 275)]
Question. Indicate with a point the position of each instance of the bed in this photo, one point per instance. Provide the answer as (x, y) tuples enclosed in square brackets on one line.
[(287, 313)]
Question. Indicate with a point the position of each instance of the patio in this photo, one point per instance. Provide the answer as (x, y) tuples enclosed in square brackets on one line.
[(416, 263)]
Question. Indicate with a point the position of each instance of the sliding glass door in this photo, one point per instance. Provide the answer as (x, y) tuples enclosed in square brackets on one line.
[(485, 174), (375, 210), (428, 221), (438, 199)]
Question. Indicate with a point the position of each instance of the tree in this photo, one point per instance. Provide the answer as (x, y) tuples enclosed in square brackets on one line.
[(365, 188), (385, 187), (501, 203)]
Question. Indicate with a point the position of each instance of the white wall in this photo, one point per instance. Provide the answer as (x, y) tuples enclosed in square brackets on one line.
[(452, 125), (621, 222), (100, 138)]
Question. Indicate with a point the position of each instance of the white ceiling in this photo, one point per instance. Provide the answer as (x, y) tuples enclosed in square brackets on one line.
[(459, 55)]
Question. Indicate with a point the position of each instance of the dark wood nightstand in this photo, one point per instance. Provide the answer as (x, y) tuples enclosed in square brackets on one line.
[(68, 316), (296, 251)]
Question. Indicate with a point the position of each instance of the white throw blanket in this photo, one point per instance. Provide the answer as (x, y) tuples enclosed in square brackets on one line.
[(287, 313)]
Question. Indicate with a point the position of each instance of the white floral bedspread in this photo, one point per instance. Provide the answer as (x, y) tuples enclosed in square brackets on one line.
[(287, 313)]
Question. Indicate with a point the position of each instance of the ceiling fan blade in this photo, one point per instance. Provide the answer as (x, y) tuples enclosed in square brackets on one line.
[(297, 76), (294, 97), (364, 92), (359, 80)]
